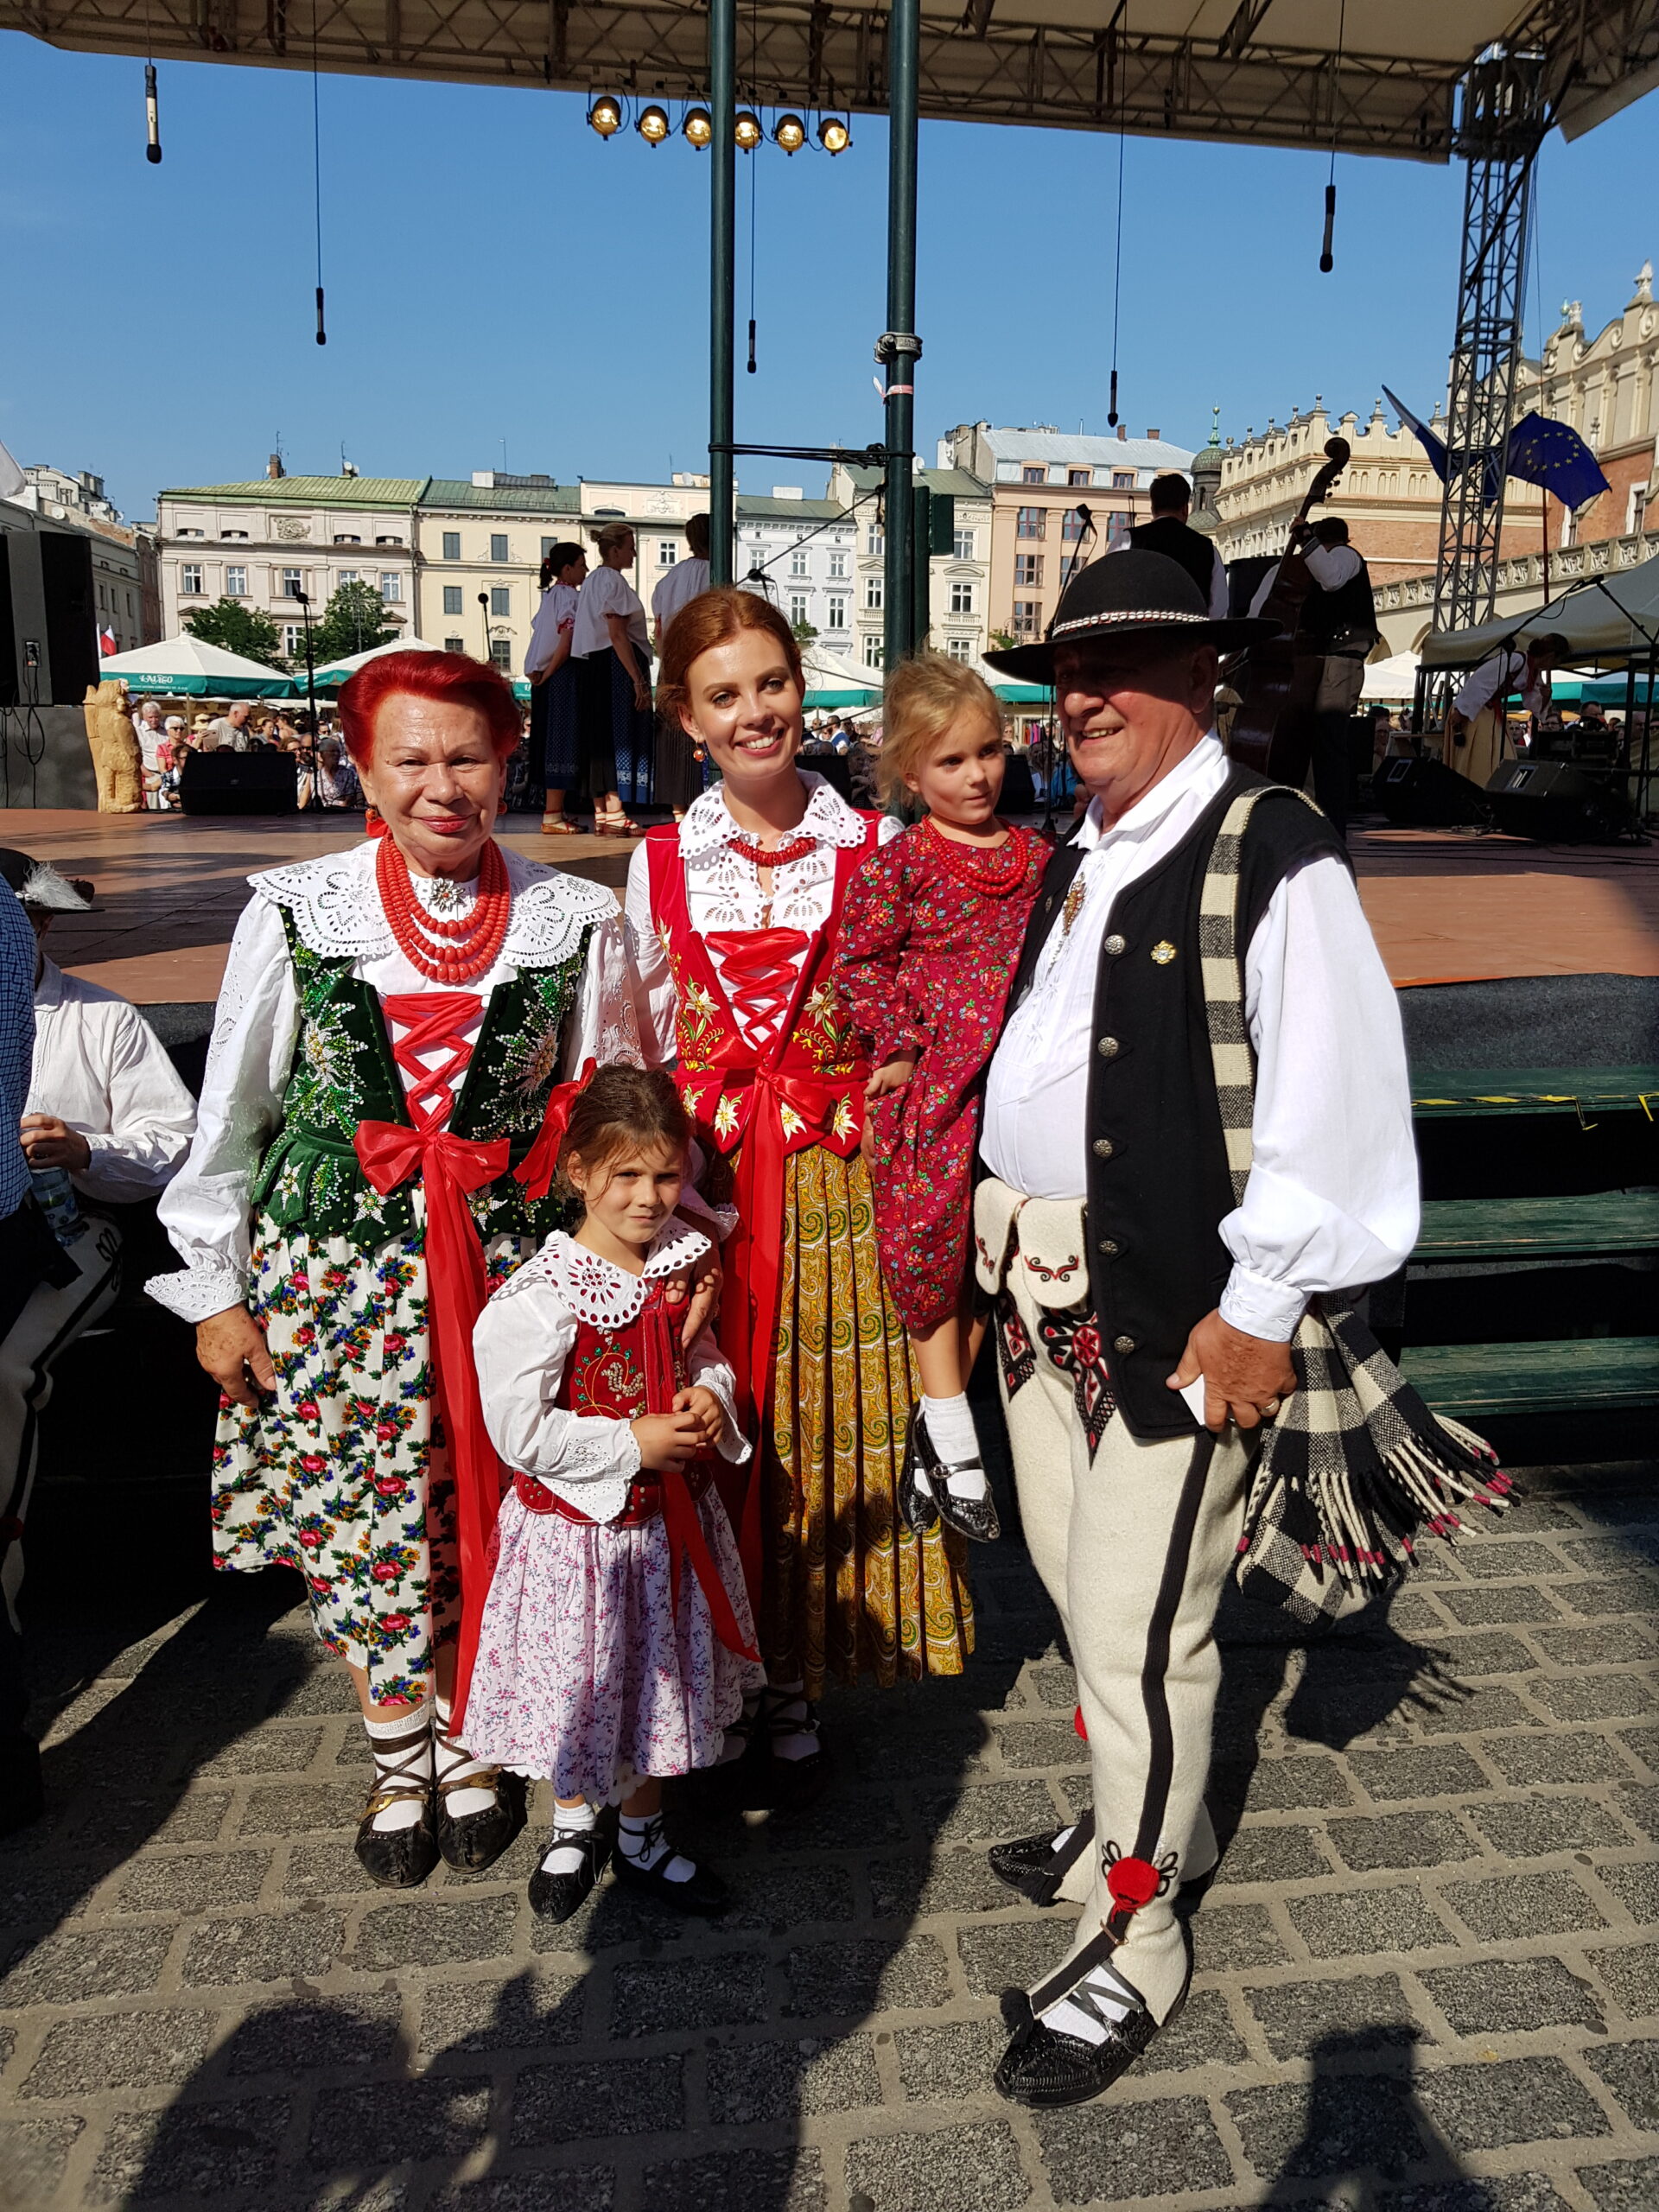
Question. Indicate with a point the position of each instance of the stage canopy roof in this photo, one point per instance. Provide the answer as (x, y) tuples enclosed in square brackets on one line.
[(1604, 617), (1261, 72)]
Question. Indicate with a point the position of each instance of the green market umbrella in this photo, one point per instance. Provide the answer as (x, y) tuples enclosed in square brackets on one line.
[(187, 667)]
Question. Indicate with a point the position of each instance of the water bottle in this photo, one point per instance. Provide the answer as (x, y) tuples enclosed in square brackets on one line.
[(55, 1193)]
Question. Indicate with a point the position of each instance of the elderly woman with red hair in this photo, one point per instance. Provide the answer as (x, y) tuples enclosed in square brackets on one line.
[(374, 1147)]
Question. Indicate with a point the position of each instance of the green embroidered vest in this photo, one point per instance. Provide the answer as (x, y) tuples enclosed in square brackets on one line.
[(343, 1073)]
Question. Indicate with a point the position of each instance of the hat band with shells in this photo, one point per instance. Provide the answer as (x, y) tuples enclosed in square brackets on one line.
[(1128, 614)]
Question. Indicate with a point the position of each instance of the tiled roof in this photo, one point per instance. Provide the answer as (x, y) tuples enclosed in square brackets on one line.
[(754, 508), (309, 491), (1055, 447), (502, 499)]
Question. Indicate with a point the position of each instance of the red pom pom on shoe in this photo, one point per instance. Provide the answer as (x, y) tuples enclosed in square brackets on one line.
[(1132, 1883), (1077, 1722)]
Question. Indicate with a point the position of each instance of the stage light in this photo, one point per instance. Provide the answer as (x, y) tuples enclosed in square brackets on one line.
[(790, 133), (746, 130), (698, 129), (606, 116), (653, 126), (833, 136)]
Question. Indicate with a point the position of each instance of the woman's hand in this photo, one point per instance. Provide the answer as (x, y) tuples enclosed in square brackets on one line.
[(667, 1439), (49, 1142), (231, 1346), (708, 1410), (641, 694), (697, 1289), (890, 1077)]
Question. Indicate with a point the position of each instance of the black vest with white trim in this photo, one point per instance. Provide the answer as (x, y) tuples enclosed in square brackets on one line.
[(1158, 1181)]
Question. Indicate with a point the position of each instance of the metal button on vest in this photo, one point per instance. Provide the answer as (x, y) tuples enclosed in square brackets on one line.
[(1102, 1148), (1123, 1344), (1109, 1048), (1109, 1246), (1114, 945)]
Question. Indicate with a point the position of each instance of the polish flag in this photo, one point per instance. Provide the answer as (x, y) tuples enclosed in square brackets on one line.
[(105, 642)]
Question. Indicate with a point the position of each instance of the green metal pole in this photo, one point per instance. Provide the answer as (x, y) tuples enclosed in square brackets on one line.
[(722, 279), (900, 348)]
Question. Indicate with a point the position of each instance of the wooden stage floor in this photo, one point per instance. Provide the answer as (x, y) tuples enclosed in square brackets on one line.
[(1447, 906)]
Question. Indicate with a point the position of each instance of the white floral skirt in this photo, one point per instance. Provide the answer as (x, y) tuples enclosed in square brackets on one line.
[(583, 1672)]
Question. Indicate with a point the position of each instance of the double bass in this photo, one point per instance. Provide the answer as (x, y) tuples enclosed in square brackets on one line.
[(1273, 730)]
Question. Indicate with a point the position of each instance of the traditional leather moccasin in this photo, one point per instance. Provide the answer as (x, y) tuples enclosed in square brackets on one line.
[(397, 1858)]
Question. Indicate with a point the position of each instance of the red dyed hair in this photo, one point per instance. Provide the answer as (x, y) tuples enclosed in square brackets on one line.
[(714, 618), (450, 679)]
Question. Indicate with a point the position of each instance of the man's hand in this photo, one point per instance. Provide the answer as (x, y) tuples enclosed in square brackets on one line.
[(231, 1346), (49, 1142), (706, 1407), (1244, 1378)]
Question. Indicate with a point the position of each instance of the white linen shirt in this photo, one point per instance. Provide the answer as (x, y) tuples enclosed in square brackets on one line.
[(207, 1211), (1330, 566), (1332, 1200), (100, 1067), (1494, 680), (683, 582), (723, 892), (556, 612), (607, 591)]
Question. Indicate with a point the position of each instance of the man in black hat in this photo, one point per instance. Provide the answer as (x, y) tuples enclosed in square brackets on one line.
[(1144, 1318)]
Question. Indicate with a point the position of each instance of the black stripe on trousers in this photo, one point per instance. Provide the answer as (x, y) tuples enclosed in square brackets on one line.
[(1154, 1694)]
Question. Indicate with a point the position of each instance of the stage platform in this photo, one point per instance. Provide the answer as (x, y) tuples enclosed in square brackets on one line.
[(1560, 940)]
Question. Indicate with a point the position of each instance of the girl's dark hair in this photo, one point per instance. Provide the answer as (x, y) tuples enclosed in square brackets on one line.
[(558, 557), (623, 1107)]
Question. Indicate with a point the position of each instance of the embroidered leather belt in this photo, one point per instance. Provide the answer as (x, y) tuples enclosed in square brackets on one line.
[(645, 1497)]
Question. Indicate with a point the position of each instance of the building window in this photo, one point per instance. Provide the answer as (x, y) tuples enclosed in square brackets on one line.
[(293, 583), (872, 591), (1117, 531), (1031, 522), (498, 545), (667, 552), (502, 654), (875, 542), (548, 543), (193, 533), (1079, 479), (797, 608), (837, 565), (1071, 525), (1123, 479), (962, 545), (500, 600), (293, 639), (452, 600), (392, 587), (1027, 617), (962, 599), (452, 545), (103, 596), (836, 618), (240, 534), (455, 645), (1027, 571), (190, 576), (236, 583), (387, 540), (1638, 508), (875, 650), (352, 540), (959, 648), (797, 561), (1030, 475), (348, 577)]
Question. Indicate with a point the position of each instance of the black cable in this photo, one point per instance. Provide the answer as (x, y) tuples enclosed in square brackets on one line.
[(1327, 259), (316, 169)]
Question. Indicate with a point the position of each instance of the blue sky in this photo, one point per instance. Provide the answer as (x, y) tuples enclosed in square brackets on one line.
[(496, 271)]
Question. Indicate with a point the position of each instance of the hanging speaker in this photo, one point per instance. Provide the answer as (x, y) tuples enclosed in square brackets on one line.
[(71, 615)]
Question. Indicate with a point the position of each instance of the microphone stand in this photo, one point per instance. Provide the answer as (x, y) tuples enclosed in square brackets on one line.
[(309, 750)]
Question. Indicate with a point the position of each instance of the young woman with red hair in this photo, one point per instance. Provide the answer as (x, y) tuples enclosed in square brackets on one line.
[(733, 916), (392, 1021)]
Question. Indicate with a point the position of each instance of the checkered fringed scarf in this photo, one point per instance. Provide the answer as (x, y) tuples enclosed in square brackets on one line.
[(1354, 1463)]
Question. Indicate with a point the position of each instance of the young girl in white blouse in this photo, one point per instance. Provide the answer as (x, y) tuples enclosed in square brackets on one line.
[(617, 1643)]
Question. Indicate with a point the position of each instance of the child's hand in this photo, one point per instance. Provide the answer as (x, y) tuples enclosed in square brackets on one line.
[(890, 1077), (667, 1439), (708, 1410)]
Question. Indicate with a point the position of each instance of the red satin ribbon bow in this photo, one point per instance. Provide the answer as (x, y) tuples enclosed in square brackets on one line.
[(537, 1169)]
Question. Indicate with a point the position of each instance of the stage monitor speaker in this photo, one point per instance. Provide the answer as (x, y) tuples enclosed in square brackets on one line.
[(8, 628), (239, 783), (1426, 795), (71, 617), (1559, 803)]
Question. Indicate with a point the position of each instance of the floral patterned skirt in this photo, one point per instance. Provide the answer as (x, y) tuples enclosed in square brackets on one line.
[(341, 1473)]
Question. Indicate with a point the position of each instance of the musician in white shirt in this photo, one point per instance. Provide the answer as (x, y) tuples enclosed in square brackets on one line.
[(1477, 726)]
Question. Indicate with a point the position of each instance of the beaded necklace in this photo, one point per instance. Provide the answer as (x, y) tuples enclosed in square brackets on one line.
[(791, 849), (445, 952), (993, 870)]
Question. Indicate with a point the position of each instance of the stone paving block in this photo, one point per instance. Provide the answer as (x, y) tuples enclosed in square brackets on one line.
[(1631, 1972), (266, 1750), (1413, 1613), (1500, 2193), (1014, 1953), (190, 2149), (1390, 1839), (425, 1933), (1510, 1996), (775, 2082), (1512, 1559), (32, 1895), (1529, 1516), (359, 2030), (1336, 2124), (1054, 1682), (849, 1979), (1366, 2011), (1226, 1937), (119, 2050), (567, 2189), (988, 1812), (611, 1917), (1609, 1644), (1358, 1922), (1435, 1771), (33, 2155), (943, 2064), (724, 1989), (1043, 1743), (1610, 1593), (955, 2170), (1644, 1743), (1509, 1905), (572, 2101), (264, 1947), (324, 1689), (1466, 1712), (1641, 1803), (951, 1747), (324, 1866), (385, 2122), (846, 1821), (1608, 1555), (1637, 1889), (1281, 1853), (757, 2180), (1487, 1604), (1598, 1697), (189, 1883), (535, 2009), (1203, 2034), (1488, 2107), (1626, 2185), (72, 1965), (1481, 1652), (952, 1881), (1632, 2072), (128, 1821), (1287, 1785), (1156, 2146), (302, 1808), (1554, 1756), (1531, 1827), (779, 1897)]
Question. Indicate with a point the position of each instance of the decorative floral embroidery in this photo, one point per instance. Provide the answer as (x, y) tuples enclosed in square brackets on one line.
[(1072, 1341), (1019, 1360), (1062, 1273), (725, 1116)]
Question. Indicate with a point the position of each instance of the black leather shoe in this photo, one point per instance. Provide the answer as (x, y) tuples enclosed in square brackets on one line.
[(1032, 1865), (556, 1896), (917, 1510), (1044, 2068), (973, 1517), (402, 1857), (703, 1891), (477, 1839)]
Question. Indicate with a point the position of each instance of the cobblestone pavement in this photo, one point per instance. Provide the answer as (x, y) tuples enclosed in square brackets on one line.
[(1427, 1975)]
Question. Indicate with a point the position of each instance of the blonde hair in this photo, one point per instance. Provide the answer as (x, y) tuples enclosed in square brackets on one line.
[(611, 536), (920, 701)]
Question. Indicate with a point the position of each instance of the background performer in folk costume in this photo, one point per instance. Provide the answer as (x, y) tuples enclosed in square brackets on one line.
[(393, 1020), (733, 916), (929, 943)]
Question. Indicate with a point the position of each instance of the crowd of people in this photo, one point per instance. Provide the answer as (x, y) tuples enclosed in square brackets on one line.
[(326, 776), (593, 1294)]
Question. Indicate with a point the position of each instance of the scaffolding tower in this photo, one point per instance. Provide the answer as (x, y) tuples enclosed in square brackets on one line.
[(1500, 124)]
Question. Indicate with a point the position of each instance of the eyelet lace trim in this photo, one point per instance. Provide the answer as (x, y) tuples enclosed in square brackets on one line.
[(595, 1291), (709, 822)]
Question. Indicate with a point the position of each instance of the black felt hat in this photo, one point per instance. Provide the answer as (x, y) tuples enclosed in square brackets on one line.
[(1128, 594)]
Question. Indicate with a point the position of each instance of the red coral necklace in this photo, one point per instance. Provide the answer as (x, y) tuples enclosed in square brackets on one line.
[(791, 849), (993, 870), (445, 952)]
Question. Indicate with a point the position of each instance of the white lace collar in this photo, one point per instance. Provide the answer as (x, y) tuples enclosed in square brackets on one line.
[(599, 1293), (709, 822), (337, 911)]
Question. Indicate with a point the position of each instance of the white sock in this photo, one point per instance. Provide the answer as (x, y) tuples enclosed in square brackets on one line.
[(1101, 1999), (402, 1745), (1063, 1839), (951, 1425), (568, 1820), (640, 1840), (454, 1759)]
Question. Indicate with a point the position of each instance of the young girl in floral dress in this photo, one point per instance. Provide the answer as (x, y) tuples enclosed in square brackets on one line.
[(929, 943), (617, 1641)]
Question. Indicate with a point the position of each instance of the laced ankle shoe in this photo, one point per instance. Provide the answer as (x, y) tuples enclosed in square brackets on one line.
[(396, 1841), (645, 1860), (917, 1506), (784, 1735), (479, 1809), (577, 1853)]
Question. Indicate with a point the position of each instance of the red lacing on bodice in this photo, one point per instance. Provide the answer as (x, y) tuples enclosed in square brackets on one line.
[(432, 1020), (759, 972)]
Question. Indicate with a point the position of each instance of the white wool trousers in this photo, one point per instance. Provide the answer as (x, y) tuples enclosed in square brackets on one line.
[(1134, 1544)]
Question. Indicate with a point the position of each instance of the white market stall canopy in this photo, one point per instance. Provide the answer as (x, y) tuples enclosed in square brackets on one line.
[(1601, 620), (341, 671), (1376, 77), (186, 667), (832, 681), (1391, 679)]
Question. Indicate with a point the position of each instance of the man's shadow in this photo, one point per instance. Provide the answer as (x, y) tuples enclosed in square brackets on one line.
[(1364, 2127)]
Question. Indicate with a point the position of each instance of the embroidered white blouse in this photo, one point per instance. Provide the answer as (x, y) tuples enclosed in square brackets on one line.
[(526, 1334), (723, 892), (556, 612), (607, 591), (336, 909)]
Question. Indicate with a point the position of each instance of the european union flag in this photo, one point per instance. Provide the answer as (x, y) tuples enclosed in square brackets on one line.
[(1554, 454)]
